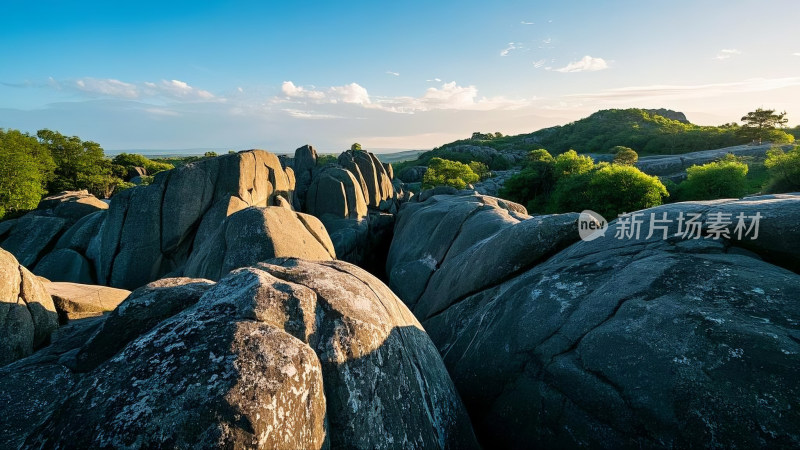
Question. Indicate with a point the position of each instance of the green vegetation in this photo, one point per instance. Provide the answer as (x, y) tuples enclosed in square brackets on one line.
[(25, 168), (443, 172), (762, 124), (326, 159), (355, 147), (784, 170), (128, 160), (625, 156), (78, 165), (726, 178), (571, 182)]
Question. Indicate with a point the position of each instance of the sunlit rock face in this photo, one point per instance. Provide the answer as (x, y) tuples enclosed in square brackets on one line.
[(630, 342), (286, 354)]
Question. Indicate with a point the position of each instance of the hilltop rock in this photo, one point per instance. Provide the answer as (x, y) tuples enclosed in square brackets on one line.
[(70, 205), (288, 354), (335, 191), (257, 234), (640, 342), (371, 174), (27, 313), (150, 231), (305, 160)]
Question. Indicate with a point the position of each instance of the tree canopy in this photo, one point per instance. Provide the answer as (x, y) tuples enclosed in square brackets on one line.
[(25, 168), (443, 172), (625, 156), (784, 168), (759, 124)]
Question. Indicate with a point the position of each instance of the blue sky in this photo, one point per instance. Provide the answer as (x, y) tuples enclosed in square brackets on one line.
[(399, 75)]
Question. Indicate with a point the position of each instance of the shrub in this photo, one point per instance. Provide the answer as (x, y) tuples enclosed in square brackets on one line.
[(25, 168), (443, 172), (725, 178), (625, 156), (571, 163), (784, 170)]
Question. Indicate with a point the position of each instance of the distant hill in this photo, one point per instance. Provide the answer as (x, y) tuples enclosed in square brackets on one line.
[(648, 131)]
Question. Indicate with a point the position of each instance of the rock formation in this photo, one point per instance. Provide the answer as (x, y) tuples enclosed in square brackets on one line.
[(614, 343), (27, 313), (304, 163), (287, 354)]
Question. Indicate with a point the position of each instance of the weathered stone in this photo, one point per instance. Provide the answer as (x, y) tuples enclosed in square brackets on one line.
[(76, 301), (305, 160), (145, 308), (257, 234), (135, 172), (365, 167), (70, 205), (289, 354), (31, 236), (336, 191), (27, 313), (78, 236), (641, 342), (65, 265)]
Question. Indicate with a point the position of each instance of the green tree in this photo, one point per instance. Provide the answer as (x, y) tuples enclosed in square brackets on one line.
[(443, 172), (25, 168), (78, 164), (625, 156), (726, 178), (784, 169), (210, 154), (533, 184), (758, 124), (355, 147)]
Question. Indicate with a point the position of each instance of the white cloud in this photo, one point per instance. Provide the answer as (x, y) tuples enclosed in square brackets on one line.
[(796, 54), (727, 53), (389, 72), (290, 90), (526, 23), (538, 64), (107, 87), (301, 114), (450, 96), (438, 80), (511, 46), (585, 64)]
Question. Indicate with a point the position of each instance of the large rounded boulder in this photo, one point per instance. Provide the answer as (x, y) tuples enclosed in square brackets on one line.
[(657, 334), (287, 354)]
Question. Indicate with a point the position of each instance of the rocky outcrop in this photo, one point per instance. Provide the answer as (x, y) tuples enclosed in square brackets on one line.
[(492, 185), (370, 173), (622, 343), (257, 234), (335, 191), (34, 235), (288, 354), (67, 265), (303, 165), (150, 231), (77, 301), (27, 313), (413, 174), (437, 233)]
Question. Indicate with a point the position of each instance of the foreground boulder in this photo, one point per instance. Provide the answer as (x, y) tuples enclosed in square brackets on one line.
[(639, 342), (77, 301), (288, 354), (27, 313)]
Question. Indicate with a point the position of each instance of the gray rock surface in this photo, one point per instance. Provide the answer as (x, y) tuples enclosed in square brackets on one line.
[(78, 301), (430, 233), (674, 166), (336, 191), (65, 264), (31, 236), (257, 234), (289, 354), (27, 313), (150, 230), (304, 163), (371, 174), (631, 343)]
